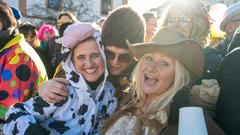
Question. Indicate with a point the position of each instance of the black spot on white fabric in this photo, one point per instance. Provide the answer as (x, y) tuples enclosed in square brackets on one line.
[(15, 130), (75, 77), (96, 125), (81, 121), (59, 126), (51, 115), (14, 116), (71, 96), (104, 109), (111, 101), (83, 109), (20, 106), (72, 109), (59, 104), (111, 91), (39, 105), (93, 119), (36, 129), (73, 115), (101, 97)]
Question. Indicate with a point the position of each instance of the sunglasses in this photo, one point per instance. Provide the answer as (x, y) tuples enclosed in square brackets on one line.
[(182, 21), (123, 58)]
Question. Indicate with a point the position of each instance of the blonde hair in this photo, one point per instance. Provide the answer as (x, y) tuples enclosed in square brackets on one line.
[(199, 16), (182, 78)]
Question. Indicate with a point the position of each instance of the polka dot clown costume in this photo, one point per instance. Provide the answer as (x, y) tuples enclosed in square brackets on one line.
[(21, 71), (81, 112)]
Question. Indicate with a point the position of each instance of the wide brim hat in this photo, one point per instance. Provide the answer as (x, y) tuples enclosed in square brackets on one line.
[(174, 44), (231, 12)]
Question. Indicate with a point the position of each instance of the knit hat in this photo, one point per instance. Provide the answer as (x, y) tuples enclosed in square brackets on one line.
[(16, 13)]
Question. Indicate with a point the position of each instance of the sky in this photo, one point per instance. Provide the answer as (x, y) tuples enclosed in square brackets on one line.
[(145, 5)]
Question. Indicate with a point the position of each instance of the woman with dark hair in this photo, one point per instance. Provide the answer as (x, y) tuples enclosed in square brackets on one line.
[(91, 97), (123, 23), (21, 69)]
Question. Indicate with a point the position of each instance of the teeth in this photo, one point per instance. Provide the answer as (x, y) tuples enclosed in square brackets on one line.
[(90, 71), (149, 76), (149, 80)]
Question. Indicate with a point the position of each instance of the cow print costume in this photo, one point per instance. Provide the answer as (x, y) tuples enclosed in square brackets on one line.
[(79, 114)]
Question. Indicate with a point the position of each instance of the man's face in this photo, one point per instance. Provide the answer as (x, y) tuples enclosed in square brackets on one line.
[(118, 59), (232, 25)]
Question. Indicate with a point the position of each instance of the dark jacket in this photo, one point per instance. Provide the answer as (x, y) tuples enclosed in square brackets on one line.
[(227, 107), (212, 60), (235, 42), (223, 47)]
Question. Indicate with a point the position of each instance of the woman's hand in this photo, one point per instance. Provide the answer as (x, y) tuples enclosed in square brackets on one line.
[(54, 90)]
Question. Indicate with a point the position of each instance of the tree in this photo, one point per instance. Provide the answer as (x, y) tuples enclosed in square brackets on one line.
[(39, 13)]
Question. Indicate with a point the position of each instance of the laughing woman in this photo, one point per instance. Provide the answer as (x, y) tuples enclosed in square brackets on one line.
[(162, 76), (90, 95)]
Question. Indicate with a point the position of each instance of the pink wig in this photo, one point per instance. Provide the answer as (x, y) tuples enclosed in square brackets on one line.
[(51, 29)]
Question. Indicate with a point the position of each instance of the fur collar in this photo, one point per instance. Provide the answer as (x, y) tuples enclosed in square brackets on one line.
[(149, 124)]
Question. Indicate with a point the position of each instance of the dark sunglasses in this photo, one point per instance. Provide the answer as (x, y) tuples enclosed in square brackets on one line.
[(123, 58)]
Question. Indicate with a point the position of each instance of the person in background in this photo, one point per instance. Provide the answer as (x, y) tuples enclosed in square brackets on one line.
[(230, 22), (151, 25), (21, 69), (123, 23), (191, 18), (53, 49), (30, 34), (66, 17), (161, 83), (227, 110), (17, 14), (91, 96), (46, 32), (216, 12)]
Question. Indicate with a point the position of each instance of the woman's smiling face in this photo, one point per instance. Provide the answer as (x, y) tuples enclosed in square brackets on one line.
[(88, 61)]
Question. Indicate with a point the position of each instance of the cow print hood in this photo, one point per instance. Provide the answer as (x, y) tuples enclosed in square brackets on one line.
[(76, 79)]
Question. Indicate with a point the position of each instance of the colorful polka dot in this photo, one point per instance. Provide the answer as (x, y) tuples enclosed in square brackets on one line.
[(9, 58), (5, 52), (35, 74), (23, 72), (38, 80), (31, 85), (1, 67), (26, 92), (26, 59), (18, 50), (14, 60), (6, 75), (13, 83), (17, 93), (3, 94)]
